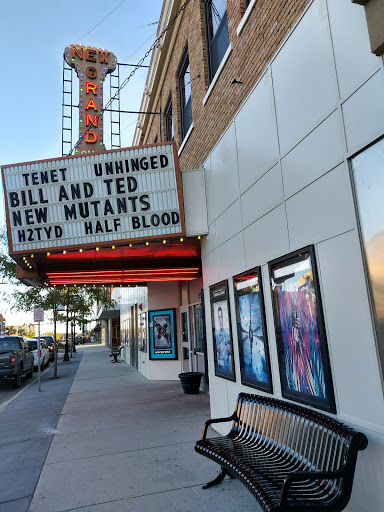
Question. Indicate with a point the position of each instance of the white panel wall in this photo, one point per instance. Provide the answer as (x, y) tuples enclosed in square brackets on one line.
[(256, 134), (195, 202), (321, 210), (354, 60), (363, 114), (224, 169), (264, 196), (323, 149), (304, 78), (285, 157), (267, 238)]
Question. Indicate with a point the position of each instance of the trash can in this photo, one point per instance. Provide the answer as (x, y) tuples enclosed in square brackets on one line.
[(190, 382)]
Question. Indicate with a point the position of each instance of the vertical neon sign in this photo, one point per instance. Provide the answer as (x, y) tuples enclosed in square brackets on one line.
[(91, 65)]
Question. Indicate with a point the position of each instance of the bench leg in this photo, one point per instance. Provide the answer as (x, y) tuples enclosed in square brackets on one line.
[(217, 480)]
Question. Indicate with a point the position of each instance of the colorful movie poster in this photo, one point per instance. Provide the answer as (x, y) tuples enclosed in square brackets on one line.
[(303, 357), (253, 344), (221, 330), (162, 334)]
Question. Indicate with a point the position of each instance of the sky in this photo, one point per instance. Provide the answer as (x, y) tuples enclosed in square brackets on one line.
[(33, 36)]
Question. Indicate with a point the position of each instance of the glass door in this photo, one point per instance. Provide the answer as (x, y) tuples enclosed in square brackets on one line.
[(197, 338), (185, 347)]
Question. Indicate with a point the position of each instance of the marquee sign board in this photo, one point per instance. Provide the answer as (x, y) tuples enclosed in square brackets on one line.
[(94, 199)]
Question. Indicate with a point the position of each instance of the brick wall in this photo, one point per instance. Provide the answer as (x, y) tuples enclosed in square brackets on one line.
[(266, 28)]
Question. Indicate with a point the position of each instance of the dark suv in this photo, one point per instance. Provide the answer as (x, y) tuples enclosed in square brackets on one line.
[(51, 346), (16, 359)]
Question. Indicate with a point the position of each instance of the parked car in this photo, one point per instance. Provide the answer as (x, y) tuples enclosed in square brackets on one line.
[(16, 359), (44, 352), (51, 346)]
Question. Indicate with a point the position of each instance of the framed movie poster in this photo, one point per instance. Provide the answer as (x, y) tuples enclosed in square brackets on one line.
[(221, 332), (302, 346), (162, 334), (251, 331)]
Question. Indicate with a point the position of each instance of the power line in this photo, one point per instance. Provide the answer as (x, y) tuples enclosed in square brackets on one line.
[(100, 22), (138, 65)]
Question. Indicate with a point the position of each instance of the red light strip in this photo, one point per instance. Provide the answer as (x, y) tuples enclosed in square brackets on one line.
[(107, 283), (123, 271)]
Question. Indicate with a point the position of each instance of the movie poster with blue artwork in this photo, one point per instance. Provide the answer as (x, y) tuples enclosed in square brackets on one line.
[(253, 343), (221, 332), (303, 356)]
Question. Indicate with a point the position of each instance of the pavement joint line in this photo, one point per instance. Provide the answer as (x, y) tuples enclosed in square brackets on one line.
[(114, 377), (134, 404), (16, 499), (127, 498), (123, 423), (5, 404), (120, 452), (24, 468)]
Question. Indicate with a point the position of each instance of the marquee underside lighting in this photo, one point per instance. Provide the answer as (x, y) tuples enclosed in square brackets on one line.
[(113, 277), (125, 265)]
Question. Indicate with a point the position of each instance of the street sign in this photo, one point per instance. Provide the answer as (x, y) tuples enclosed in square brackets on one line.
[(38, 315)]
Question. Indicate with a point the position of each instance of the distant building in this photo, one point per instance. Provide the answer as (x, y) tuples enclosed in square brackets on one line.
[(2, 324), (27, 330)]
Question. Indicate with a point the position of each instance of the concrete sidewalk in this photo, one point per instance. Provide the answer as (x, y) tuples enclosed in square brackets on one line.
[(124, 443)]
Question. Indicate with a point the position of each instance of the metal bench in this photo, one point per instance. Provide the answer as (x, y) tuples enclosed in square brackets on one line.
[(289, 457), (115, 352)]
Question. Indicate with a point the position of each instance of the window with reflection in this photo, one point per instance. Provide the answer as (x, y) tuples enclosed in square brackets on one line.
[(169, 121), (216, 26), (368, 174), (185, 95)]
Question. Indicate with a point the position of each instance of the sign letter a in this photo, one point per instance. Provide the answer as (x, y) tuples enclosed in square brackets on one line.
[(91, 104)]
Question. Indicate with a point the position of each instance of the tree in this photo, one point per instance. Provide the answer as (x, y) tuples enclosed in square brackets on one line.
[(78, 301)]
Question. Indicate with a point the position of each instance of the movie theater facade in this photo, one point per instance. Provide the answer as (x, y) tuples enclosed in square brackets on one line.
[(279, 106), (245, 228)]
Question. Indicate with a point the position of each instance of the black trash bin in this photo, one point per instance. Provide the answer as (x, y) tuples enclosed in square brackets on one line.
[(190, 382)]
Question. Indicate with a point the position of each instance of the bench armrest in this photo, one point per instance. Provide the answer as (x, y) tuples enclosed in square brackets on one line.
[(307, 475), (216, 420)]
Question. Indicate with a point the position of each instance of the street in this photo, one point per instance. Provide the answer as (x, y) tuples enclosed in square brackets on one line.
[(7, 393)]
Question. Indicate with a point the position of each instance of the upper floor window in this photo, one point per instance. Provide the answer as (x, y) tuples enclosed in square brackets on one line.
[(216, 26), (185, 95), (169, 135)]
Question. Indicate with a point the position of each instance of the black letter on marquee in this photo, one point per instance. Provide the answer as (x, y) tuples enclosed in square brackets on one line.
[(163, 160), (144, 204), (155, 220), (132, 184), (70, 213), (135, 222), (98, 169), (175, 217), (165, 219), (63, 193), (14, 199), (88, 190), (17, 219)]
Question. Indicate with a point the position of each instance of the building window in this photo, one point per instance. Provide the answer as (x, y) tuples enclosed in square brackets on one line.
[(169, 121), (155, 141), (367, 169), (185, 96), (216, 25)]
